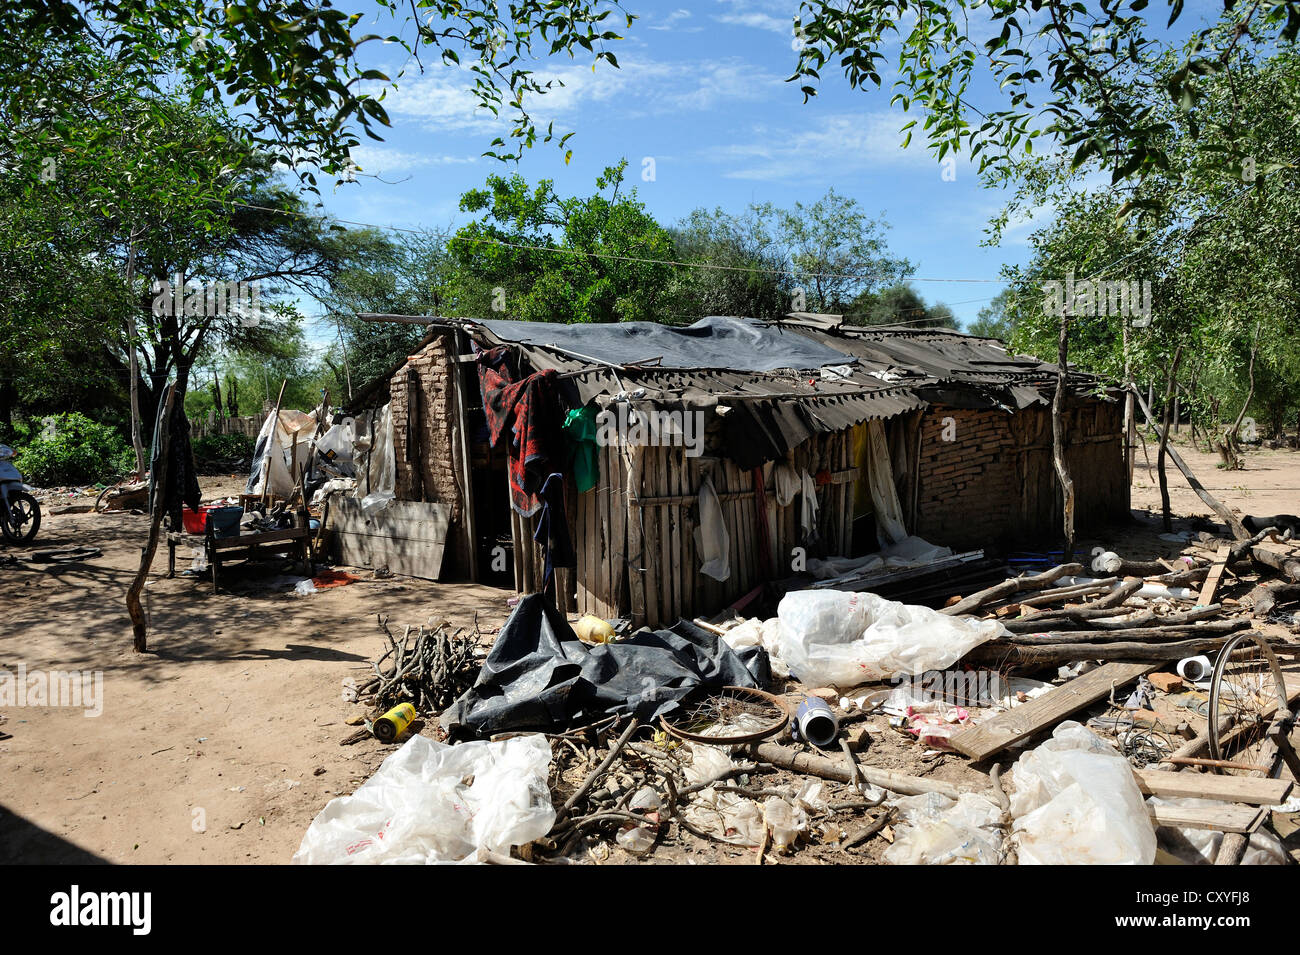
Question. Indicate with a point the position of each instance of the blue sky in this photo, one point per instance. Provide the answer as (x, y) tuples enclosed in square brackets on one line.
[(701, 91)]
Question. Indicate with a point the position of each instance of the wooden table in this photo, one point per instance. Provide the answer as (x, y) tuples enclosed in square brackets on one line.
[(290, 542)]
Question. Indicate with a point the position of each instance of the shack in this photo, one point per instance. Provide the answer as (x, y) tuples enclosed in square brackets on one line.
[(695, 463)]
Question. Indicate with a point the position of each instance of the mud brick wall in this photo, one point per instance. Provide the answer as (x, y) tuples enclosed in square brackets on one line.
[(968, 485), (425, 440), (994, 482)]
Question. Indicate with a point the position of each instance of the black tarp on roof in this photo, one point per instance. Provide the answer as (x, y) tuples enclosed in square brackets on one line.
[(737, 344)]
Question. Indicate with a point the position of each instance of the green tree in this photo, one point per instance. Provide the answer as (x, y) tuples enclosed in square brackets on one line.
[(539, 256), (1093, 79)]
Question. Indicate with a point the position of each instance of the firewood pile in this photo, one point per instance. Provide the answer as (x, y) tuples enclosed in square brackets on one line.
[(429, 666)]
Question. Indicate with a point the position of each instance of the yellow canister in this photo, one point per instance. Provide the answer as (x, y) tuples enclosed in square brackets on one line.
[(591, 629), (393, 723)]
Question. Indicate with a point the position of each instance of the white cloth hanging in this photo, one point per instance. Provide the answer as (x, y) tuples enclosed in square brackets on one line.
[(711, 537)]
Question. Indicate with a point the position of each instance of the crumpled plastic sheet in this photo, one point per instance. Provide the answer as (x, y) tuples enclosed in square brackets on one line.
[(939, 830), (539, 675), (434, 803), (832, 638), (739, 820), (1076, 802)]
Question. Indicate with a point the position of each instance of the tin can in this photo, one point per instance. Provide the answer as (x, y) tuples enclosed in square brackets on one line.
[(393, 723), (815, 722)]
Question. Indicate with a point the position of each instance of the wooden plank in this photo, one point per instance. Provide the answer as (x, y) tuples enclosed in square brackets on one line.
[(650, 536), (1216, 573), (605, 556), (676, 462), (686, 517), (635, 542), (1229, 817), (667, 559), (1253, 790), (615, 481), (1044, 712), (407, 537)]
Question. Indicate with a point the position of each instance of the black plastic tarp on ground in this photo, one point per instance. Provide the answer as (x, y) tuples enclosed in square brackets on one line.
[(539, 675)]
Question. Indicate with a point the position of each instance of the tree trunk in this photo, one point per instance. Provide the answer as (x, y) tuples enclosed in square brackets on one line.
[(1058, 438), (139, 623), (134, 364)]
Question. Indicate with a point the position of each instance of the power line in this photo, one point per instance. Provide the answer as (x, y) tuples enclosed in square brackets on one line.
[(618, 258)]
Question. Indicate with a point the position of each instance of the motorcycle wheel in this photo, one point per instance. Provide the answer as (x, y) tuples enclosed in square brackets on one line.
[(23, 520)]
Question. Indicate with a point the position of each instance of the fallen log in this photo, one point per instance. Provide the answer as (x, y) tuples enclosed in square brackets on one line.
[(800, 762), (1264, 598), (1117, 596), (1175, 632), (1101, 585), (1014, 585), (997, 653), (1113, 619)]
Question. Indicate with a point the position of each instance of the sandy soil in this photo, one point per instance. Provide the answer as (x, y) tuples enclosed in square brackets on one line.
[(222, 743)]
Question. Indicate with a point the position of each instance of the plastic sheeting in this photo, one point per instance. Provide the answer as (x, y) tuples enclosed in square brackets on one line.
[(1078, 803), (540, 675), (938, 830), (711, 538), (889, 513), (376, 462), (908, 552), (284, 439), (739, 344), (434, 803), (832, 638)]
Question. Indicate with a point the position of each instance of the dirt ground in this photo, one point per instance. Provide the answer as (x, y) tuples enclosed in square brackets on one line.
[(222, 743)]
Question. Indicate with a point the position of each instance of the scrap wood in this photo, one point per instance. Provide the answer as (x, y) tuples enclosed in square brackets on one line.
[(1230, 817), (1245, 789), (794, 760), (1044, 712), (1011, 586), (431, 671), (1116, 597), (1176, 631), (1103, 584), (1215, 574), (1119, 618), (998, 653)]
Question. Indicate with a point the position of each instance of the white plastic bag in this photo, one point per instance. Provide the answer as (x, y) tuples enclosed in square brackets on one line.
[(1078, 803), (938, 830), (434, 803), (832, 638)]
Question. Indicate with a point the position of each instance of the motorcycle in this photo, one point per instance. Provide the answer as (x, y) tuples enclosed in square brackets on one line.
[(20, 513)]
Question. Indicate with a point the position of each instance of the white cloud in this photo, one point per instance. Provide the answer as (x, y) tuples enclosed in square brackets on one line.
[(759, 21), (641, 87), (674, 22), (840, 143), (380, 160)]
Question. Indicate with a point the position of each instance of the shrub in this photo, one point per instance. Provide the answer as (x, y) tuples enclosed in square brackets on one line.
[(72, 449), (222, 448)]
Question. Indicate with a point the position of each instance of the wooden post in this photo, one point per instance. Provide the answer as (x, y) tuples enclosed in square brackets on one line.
[(467, 483), (139, 625), (271, 445)]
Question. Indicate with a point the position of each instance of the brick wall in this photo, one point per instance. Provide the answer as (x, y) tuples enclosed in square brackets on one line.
[(968, 481), (428, 471), (994, 482)]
